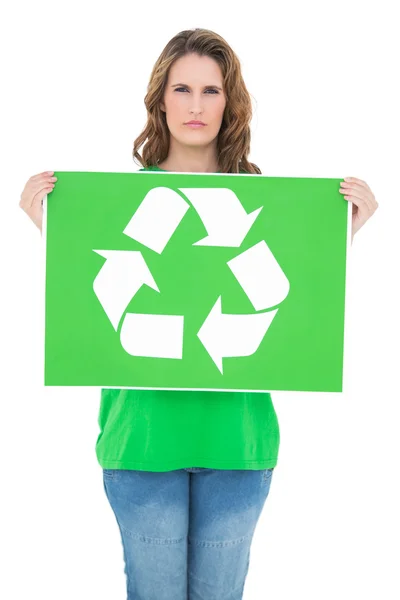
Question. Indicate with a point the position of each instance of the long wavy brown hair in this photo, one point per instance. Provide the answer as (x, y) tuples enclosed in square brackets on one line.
[(233, 144)]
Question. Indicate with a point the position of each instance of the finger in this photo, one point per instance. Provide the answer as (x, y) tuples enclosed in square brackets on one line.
[(38, 198), (32, 188), (354, 186), (363, 205), (360, 192), (39, 193), (47, 179), (44, 174), (357, 181), (369, 196)]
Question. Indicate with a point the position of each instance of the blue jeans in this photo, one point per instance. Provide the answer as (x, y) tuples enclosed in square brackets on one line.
[(186, 534)]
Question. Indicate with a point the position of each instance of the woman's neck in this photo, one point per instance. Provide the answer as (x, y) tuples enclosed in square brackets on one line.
[(184, 160), (187, 166)]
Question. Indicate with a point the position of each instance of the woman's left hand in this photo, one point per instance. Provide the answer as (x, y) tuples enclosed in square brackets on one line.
[(364, 203)]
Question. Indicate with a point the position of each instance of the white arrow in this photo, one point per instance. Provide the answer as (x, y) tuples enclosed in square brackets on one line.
[(155, 336), (223, 216), (121, 276), (225, 335), (157, 217), (260, 276)]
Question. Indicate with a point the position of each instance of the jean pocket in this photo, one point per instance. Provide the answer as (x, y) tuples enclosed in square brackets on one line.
[(267, 474), (109, 473)]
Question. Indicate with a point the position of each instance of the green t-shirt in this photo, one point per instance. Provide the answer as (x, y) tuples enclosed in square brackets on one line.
[(164, 430)]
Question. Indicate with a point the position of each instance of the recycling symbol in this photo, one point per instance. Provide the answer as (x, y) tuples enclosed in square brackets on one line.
[(153, 224)]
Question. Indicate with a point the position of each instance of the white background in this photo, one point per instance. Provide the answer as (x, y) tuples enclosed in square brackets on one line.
[(323, 77)]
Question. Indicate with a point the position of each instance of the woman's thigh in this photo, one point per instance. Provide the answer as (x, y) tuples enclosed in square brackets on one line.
[(186, 534), (225, 506), (151, 509)]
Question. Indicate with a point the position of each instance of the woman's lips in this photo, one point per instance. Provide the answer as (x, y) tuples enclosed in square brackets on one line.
[(194, 125)]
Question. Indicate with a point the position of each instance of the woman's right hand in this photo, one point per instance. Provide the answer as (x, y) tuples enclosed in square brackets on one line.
[(33, 193)]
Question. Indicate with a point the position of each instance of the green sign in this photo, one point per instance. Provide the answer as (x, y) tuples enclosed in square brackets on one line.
[(195, 281)]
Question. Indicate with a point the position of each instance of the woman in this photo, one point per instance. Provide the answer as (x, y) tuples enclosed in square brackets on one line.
[(186, 530)]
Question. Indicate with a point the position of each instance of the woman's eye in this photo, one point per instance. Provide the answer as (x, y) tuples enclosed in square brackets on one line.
[(177, 90)]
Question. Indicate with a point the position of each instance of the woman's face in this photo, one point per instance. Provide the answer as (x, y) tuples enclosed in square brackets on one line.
[(194, 92)]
